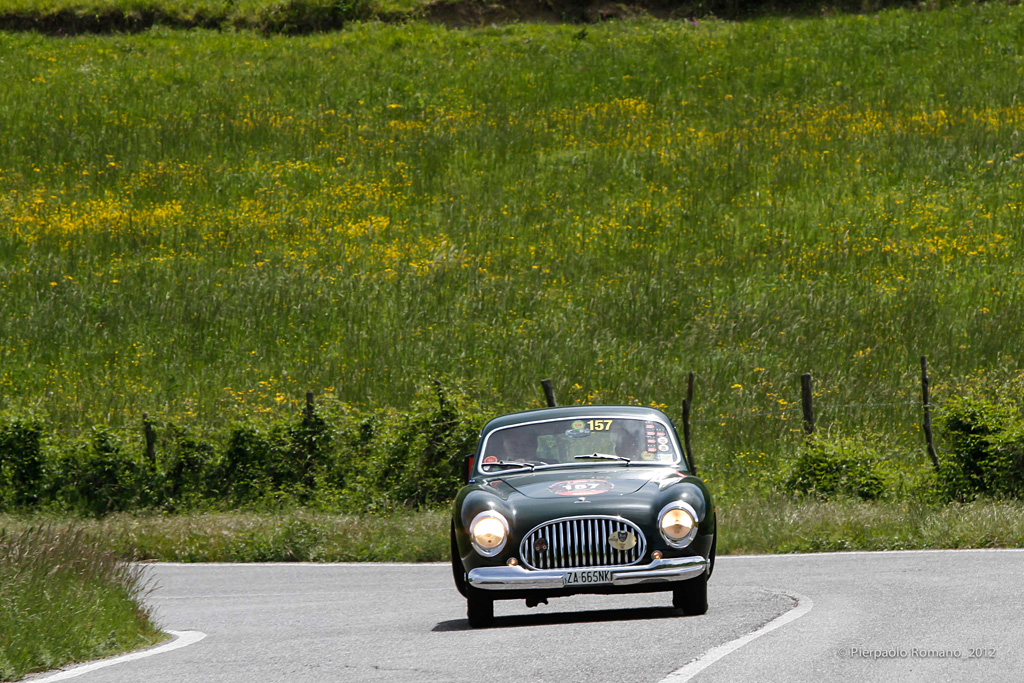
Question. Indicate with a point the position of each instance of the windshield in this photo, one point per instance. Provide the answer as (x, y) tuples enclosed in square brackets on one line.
[(561, 441)]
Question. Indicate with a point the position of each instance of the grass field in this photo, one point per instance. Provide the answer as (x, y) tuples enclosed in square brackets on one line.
[(201, 225)]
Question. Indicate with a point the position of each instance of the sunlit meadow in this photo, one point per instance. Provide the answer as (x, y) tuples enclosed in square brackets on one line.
[(199, 225)]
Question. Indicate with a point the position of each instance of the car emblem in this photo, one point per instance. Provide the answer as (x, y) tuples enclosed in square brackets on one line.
[(622, 540), (540, 545)]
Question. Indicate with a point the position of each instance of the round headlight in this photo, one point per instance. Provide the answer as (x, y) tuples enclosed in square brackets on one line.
[(678, 524), (488, 532)]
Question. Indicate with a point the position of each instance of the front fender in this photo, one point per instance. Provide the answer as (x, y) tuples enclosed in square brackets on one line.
[(696, 496), (471, 501)]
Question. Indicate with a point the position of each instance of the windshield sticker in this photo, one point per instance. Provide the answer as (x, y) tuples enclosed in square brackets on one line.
[(578, 430), (581, 487), (490, 460), (583, 428)]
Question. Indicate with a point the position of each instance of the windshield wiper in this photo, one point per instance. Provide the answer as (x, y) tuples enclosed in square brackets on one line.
[(504, 463), (603, 456)]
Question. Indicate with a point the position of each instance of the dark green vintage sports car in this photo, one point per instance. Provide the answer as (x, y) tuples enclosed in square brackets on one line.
[(582, 499)]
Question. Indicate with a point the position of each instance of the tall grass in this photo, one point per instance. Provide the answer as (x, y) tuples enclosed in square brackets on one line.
[(65, 598), (199, 225)]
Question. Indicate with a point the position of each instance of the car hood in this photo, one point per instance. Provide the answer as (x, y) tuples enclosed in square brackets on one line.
[(563, 484)]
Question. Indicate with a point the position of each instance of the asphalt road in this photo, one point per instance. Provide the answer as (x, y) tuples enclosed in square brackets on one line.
[(916, 616)]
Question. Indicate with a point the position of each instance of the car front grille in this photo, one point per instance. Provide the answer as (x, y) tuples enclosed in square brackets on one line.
[(575, 542)]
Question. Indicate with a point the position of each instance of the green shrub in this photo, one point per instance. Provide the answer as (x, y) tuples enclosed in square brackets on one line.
[(22, 467), (188, 469), (412, 458), (247, 460), (285, 459), (103, 473), (828, 467), (308, 448), (309, 16), (984, 433)]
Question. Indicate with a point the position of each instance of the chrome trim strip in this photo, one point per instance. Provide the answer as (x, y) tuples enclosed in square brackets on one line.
[(518, 578)]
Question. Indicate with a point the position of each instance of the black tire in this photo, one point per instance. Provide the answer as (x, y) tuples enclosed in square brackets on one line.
[(711, 556), (458, 571), (479, 608), (692, 596)]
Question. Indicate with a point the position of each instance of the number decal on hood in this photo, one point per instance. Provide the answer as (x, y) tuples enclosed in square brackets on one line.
[(581, 487)]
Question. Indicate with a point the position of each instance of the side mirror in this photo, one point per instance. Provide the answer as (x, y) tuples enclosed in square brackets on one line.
[(467, 466)]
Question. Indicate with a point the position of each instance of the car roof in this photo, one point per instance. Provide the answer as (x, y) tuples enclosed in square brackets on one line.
[(566, 412)]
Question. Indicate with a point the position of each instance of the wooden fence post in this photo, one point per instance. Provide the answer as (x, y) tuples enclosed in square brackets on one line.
[(925, 399), (807, 398), (150, 434), (549, 393), (440, 394), (687, 410), (309, 406)]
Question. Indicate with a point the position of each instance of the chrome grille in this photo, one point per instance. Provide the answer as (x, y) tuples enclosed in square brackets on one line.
[(580, 542)]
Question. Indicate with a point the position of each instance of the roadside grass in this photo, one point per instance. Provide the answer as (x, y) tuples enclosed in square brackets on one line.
[(298, 536), (205, 225), (292, 536), (65, 598), (759, 525), (752, 526)]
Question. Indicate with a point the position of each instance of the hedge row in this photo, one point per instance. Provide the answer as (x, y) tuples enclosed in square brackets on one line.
[(339, 457), (982, 432), (334, 456), (70, 17)]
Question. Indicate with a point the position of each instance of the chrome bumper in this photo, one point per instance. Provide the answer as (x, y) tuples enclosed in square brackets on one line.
[(518, 578)]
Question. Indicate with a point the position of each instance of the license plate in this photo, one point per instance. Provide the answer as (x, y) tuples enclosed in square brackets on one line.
[(587, 576)]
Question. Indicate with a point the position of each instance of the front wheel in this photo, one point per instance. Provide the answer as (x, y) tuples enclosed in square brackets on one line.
[(458, 573), (479, 608), (692, 596)]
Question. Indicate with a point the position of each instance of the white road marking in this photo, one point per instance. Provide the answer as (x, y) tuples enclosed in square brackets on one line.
[(181, 639), (688, 671)]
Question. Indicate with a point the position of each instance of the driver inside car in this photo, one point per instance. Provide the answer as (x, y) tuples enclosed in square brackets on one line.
[(518, 445)]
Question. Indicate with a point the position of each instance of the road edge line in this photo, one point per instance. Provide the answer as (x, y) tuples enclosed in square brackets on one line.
[(181, 639), (686, 672)]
